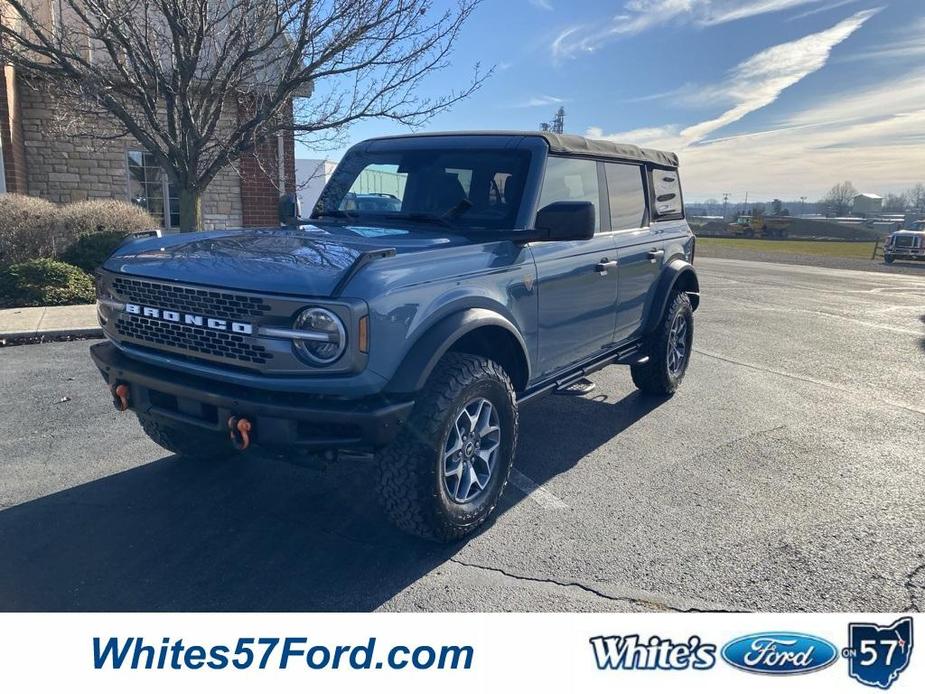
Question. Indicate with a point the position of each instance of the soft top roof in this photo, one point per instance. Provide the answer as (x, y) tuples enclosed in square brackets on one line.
[(567, 144)]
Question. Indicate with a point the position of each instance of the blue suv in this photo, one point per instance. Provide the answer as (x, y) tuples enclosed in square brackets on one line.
[(493, 268)]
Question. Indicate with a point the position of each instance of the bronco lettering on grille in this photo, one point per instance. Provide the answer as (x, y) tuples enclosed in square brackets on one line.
[(190, 319)]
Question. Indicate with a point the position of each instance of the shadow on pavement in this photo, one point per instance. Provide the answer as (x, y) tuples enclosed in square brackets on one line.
[(253, 535)]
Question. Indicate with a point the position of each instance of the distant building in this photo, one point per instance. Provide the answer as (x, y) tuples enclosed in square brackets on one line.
[(867, 204), (311, 175)]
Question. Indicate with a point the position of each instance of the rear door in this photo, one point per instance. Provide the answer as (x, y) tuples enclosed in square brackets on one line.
[(577, 279), (640, 252)]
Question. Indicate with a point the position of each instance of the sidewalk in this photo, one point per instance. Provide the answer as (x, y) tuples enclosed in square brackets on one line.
[(49, 321)]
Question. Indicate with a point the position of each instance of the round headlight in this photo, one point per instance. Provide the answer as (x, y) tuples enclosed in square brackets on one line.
[(332, 337)]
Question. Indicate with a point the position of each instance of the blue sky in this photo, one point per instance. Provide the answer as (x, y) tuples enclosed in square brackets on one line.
[(777, 98)]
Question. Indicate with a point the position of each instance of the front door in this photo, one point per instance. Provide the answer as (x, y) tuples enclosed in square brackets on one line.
[(577, 279)]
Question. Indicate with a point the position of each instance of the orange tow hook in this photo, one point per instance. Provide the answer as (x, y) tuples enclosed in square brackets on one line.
[(239, 429), (120, 393)]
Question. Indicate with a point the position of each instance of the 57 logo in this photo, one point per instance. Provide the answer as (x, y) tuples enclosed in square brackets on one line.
[(877, 654)]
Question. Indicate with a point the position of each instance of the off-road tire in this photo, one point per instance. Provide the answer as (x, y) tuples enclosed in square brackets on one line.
[(888, 259), (411, 485), (187, 441), (654, 377)]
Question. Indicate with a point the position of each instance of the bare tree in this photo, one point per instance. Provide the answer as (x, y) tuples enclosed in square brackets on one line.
[(895, 203), (839, 199), (171, 73), (915, 196)]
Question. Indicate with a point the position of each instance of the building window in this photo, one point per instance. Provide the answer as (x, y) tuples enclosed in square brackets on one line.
[(148, 187)]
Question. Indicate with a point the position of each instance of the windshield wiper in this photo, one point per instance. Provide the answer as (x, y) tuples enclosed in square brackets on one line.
[(340, 214), (424, 217)]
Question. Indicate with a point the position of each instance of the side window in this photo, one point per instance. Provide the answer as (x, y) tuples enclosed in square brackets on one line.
[(667, 191), (627, 196), (571, 180)]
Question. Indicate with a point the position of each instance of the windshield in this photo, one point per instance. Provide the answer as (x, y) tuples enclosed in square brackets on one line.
[(464, 188)]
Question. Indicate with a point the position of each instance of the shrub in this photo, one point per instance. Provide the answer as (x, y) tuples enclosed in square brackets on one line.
[(90, 250), (28, 229), (34, 228), (92, 216), (44, 282)]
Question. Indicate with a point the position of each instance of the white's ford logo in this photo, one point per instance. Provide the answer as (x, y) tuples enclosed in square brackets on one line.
[(779, 653), (190, 319)]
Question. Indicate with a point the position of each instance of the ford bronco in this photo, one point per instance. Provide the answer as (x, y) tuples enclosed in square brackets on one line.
[(502, 266), (906, 244)]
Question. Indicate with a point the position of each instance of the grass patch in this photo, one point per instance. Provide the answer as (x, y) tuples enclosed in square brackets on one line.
[(832, 249)]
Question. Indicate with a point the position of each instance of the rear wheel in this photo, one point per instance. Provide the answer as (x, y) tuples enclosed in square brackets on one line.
[(443, 475), (669, 349), (187, 441)]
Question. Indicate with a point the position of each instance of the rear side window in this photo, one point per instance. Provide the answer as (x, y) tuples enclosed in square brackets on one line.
[(667, 192), (571, 180), (627, 196)]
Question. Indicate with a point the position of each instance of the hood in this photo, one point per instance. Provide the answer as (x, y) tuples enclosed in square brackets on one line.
[(309, 261)]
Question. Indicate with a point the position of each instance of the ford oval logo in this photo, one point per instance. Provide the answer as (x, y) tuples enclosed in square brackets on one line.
[(779, 653)]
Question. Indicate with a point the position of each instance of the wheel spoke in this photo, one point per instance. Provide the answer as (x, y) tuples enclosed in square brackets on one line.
[(466, 481), (455, 471), (486, 452)]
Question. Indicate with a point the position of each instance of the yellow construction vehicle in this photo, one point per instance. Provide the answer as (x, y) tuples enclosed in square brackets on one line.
[(760, 227)]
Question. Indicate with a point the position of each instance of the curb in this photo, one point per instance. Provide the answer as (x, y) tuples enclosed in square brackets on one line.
[(60, 334)]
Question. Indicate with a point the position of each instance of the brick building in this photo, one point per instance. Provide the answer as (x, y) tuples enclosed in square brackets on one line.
[(35, 160)]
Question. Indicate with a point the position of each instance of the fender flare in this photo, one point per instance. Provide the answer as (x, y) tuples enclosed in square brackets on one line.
[(676, 273), (420, 360)]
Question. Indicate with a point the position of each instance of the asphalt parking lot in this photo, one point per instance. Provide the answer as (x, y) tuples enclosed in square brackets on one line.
[(786, 475)]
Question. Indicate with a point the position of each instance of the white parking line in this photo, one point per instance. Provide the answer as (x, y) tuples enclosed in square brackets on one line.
[(536, 492)]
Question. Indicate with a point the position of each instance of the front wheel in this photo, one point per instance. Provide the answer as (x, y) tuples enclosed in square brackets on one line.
[(888, 259), (669, 350), (443, 475)]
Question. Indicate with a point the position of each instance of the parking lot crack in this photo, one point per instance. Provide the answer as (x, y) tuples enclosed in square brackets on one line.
[(915, 585), (808, 379), (647, 603)]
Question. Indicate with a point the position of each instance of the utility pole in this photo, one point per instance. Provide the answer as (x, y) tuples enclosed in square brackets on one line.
[(746, 203), (725, 200), (802, 201)]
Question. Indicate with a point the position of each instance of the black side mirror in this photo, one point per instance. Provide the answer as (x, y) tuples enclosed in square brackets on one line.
[(565, 221)]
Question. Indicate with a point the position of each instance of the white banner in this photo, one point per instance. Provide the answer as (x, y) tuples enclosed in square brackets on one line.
[(459, 653)]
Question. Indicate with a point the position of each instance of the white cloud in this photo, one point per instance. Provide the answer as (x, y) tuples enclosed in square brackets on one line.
[(638, 15), (758, 81), (542, 4), (723, 12), (542, 100), (824, 8), (875, 136), (905, 43)]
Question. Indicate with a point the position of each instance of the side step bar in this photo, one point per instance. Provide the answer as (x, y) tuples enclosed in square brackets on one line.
[(628, 354)]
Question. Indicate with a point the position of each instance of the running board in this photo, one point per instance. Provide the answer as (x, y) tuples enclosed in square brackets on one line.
[(626, 355)]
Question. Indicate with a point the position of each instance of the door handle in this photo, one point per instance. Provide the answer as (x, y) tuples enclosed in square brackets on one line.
[(605, 265), (655, 254)]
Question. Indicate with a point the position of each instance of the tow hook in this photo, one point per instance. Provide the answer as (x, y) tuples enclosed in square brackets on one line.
[(239, 430), (120, 393)]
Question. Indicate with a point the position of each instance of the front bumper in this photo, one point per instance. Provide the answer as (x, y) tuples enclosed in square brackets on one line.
[(280, 419)]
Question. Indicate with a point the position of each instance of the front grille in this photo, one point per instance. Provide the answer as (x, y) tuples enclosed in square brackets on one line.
[(199, 340), (207, 302)]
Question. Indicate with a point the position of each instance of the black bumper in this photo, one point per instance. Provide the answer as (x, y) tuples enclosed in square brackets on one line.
[(280, 419)]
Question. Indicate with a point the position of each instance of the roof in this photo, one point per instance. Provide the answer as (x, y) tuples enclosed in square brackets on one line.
[(567, 144), (870, 196)]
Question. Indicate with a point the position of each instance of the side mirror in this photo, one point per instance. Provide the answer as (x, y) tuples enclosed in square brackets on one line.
[(565, 221)]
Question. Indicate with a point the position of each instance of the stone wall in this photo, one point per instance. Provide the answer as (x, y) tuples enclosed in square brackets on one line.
[(63, 169)]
